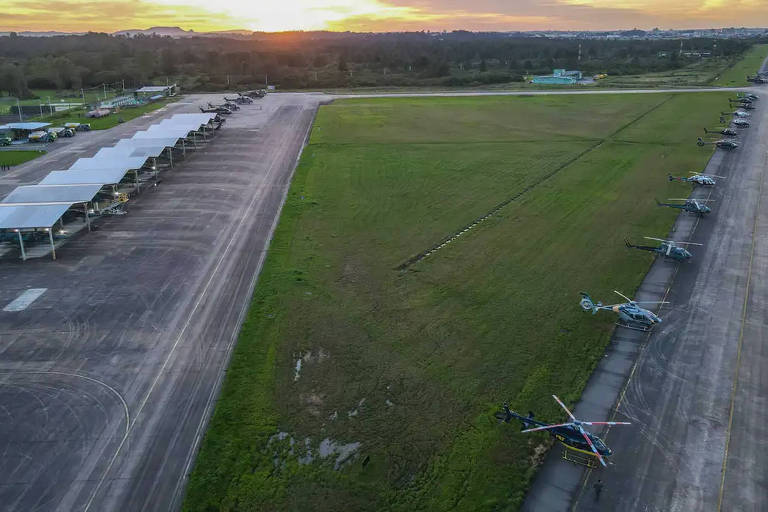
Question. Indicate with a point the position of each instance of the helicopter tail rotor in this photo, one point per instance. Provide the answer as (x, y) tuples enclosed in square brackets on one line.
[(587, 304), (700, 142)]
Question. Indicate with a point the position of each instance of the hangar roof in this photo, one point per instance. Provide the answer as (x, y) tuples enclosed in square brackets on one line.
[(24, 126), (22, 216), (154, 88), (101, 177), (109, 160), (79, 193)]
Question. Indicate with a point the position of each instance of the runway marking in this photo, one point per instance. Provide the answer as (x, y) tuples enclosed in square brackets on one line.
[(24, 300), (735, 386), (79, 376)]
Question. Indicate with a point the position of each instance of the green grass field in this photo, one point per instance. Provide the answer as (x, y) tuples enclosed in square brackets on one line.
[(412, 364), (18, 157), (736, 75)]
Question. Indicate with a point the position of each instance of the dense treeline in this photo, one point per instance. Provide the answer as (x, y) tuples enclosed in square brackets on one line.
[(323, 59)]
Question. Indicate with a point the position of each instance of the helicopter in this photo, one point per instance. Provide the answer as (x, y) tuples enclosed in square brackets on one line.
[(757, 79), (668, 248), (256, 93), (746, 105), (729, 132), (738, 113), (690, 205), (749, 96), (630, 314), (707, 180), (217, 110), (572, 435), (242, 100), (231, 106), (722, 143), (740, 123)]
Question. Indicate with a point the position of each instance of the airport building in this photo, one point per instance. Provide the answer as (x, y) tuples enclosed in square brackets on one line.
[(558, 76)]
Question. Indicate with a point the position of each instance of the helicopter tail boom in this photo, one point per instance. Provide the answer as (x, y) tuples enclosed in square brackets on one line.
[(641, 247)]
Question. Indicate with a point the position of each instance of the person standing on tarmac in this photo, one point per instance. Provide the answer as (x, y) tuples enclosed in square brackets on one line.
[(598, 487)]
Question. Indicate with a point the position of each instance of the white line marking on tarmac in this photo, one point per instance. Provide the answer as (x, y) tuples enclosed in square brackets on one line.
[(26, 298)]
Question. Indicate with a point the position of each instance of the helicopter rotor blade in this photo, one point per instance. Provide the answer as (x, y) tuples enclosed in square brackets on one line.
[(671, 241), (592, 446), (547, 427), (573, 418), (652, 302), (604, 423), (622, 295), (710, 175)]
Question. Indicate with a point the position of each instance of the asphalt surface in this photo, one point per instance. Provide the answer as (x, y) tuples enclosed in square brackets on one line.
[(694, 389), (107, 379)]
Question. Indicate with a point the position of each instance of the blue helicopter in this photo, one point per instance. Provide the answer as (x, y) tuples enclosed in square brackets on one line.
[(572, 434), (668, 249), (630, 314)]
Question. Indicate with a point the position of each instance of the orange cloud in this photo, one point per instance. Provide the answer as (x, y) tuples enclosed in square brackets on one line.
[(379, 15)]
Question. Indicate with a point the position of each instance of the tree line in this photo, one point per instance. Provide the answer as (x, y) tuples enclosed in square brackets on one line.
[(326, 59)]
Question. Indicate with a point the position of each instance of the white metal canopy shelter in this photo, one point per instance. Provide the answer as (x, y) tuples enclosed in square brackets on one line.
[(76, 193), (28, 216), (105, 176), (110, 160)]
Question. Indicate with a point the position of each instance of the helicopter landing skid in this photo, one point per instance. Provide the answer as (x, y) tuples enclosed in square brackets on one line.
[(633, 327), (577, 458)]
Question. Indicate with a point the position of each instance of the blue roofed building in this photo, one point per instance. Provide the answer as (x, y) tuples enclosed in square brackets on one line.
[(558, 76)]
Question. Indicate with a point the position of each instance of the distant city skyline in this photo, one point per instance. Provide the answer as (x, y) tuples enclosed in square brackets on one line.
[(382, 15)]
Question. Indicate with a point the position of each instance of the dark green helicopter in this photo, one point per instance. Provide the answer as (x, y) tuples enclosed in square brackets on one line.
[(572, 434), (722, 143), (668, 248), (728, 132), (696, 206), (745, 104)]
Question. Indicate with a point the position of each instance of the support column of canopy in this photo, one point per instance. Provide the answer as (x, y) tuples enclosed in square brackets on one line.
[(21, 244)]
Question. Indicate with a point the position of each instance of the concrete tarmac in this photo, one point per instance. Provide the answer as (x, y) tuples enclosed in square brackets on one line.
[(108, 378)]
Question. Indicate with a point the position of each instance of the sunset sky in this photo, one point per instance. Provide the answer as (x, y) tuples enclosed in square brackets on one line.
[(379, 15)]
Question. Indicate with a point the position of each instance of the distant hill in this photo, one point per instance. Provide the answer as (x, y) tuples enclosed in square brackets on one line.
[(178, 32), (158, 31), (49, 33)]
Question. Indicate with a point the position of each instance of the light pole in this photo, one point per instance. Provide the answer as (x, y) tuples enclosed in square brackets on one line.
[(18, 107)]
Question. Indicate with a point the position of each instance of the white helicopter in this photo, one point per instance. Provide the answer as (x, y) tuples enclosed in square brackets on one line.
[(698, 178)]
